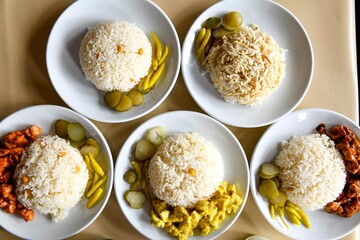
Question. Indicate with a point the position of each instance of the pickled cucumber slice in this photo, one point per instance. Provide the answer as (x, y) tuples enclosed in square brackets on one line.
[(268, 189), (277, 182), (135, 199), (76, 131), (232, 20), (144, 150), (125, 104), (269, 170), (220, 32), (91, 141), (280, 200), (263, 176), (77, 144), (61, 128), (86, 149), (112, 98), (136, 97), (129, 176), (156, 135), (212, 22)]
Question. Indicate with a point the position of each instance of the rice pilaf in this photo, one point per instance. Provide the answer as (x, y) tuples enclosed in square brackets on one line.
[(312, 171), (115, 55), (185, 169), (51, 176)]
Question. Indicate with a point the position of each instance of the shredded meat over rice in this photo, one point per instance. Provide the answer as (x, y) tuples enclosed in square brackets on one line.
[(246, 66)]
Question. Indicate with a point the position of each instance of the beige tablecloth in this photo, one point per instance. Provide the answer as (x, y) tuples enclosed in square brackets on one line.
[(24, 29)]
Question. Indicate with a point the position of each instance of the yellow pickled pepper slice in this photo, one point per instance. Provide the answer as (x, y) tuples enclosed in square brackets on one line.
[(199, 38), (293, 211), (154, 61), (137, 169), (94, 198), (304, 219), (158, 45), (88, 186), (204, 42), (165, 55), (97, 168), (95, 179), (91, 184), (96, 186), (272, 211), (156, 75), (88, 164), (145, 84)]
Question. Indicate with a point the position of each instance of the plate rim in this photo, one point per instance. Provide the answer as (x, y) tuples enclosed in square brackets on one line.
[(135, 132), (263, 123), (107, 149), (253, 177), (177, 63)]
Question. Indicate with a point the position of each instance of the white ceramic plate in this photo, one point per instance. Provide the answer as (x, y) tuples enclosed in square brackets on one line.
[(323, 225), (287, 31), (63, 49), (79, 218), (235, 165)]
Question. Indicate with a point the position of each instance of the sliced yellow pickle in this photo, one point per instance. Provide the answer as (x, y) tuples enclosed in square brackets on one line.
[(76, 131), (156, 135), (96, 186), (112, 98), (137, 98), (144, 150), (135, 199), (212, 22), (268, 189), (77, 144), (94, 198), (86, 149), (97, 168), (125, 104), (232, 20), (61, 128), (129, 176), (137, 170)]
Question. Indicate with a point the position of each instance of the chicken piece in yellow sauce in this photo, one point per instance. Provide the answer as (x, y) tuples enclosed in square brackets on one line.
[(206, 216)]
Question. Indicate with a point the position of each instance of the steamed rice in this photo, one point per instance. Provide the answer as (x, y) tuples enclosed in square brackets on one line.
[(312, 171), (185, 169), (57, 177), (115, 55)]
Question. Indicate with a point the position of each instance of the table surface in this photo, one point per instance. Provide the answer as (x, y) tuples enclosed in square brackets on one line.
[(25, 28)]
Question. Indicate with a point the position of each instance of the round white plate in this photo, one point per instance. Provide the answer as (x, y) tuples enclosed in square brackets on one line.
[(79, 218), (323, 225), (235, 165), (287, 31), (62, 54)]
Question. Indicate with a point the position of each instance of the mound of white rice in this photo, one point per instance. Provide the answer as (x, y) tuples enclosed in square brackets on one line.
[(312, 171), (185, 169), (51, 177), (115, 55)]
